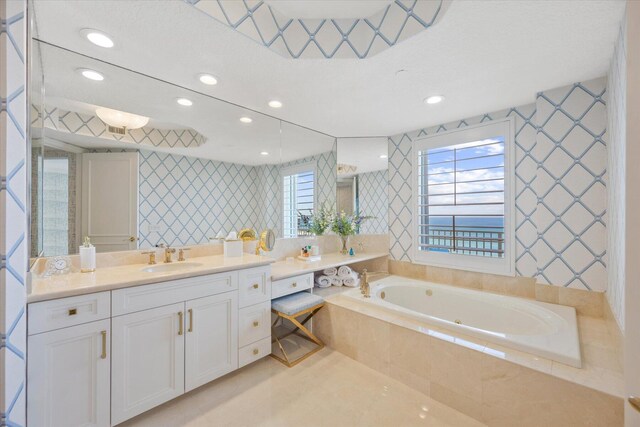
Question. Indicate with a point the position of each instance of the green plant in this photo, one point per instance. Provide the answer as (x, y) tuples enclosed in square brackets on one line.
[(320, 221), (347, 225)]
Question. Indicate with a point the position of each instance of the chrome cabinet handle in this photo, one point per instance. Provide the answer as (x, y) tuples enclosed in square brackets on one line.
[(104, 345), (180, 323), (190, 320)]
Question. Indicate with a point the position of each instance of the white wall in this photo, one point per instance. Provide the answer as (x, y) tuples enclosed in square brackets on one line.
[(616, 103)]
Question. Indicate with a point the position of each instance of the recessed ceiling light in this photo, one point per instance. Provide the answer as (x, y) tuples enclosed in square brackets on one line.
[(184, 102), (434, 99), (383, 156), (275, 104), (208, 79), (98, 38), (264, 153), (91, 74), (246, 119)]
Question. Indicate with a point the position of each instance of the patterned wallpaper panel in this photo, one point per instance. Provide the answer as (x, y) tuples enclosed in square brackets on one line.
[(617, 87), (325, 38), (192, 199), (373, 197), (13, 211), (560, 186)]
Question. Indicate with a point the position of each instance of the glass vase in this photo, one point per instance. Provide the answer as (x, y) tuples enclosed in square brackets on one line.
[(345, 242)]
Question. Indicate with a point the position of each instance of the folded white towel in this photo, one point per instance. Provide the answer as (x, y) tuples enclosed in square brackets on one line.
[(332, 271), (345, 270), (351, 281), (323, 281), (337, 281)]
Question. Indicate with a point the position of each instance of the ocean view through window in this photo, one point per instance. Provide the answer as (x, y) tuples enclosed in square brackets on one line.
[(464, 199)]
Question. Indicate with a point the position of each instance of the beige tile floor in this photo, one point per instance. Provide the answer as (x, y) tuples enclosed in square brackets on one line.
[(328, 389)]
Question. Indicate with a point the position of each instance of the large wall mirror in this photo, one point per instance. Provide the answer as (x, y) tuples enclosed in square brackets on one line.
[(362, 182), (132, 162)]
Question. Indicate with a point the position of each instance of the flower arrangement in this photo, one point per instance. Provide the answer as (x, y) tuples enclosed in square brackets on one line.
[(320, 221), (346, 225)]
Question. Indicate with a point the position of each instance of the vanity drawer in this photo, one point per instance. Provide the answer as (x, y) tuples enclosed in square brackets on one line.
[(254, 323), (254, 286), (61, 313), (138, 298), (291, 285), (252, 352)]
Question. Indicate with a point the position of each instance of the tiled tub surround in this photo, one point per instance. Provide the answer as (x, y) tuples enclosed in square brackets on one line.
[(542, 329), (493, 384), (561, 161)]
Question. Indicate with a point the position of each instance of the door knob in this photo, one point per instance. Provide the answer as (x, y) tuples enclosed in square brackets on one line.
[(133, 239), (635, 402)]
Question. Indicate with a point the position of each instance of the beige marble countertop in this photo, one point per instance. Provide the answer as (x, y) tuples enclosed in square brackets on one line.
[(284, 269), (124, 276)]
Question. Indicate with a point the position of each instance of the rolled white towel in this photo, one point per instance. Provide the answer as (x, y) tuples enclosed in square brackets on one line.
[(323, 281), (337, 281), (332, 271), (351, 281), (345, 270)]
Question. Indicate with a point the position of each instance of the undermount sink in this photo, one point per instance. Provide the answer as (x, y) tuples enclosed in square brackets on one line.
[(170, 267)]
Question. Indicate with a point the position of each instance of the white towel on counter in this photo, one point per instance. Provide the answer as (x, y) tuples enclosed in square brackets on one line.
[(323, 281), (332, 271), (337, 281), (345, 270), (351, 280)]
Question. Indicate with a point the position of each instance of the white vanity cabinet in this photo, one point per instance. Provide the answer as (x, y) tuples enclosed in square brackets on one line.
[(100, 359), (211, 338), (161, 352), (148, 360), (69, 367)]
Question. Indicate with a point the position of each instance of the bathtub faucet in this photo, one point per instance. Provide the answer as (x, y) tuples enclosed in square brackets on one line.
[(365, 289)]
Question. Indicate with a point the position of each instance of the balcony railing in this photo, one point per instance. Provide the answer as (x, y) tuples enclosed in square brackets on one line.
[(464, 239)]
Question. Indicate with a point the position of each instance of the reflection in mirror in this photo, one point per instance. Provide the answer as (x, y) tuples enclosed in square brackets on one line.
[(155, 171), (362, 181), (308, 177), (37, 154)]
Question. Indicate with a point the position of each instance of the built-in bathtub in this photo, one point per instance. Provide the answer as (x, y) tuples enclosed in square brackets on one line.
[(542, 329)]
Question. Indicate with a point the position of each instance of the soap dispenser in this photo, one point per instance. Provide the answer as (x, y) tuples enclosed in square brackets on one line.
[(87, 257)]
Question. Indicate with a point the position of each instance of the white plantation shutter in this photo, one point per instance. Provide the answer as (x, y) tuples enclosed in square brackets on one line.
[(298, 190), (464, 199)]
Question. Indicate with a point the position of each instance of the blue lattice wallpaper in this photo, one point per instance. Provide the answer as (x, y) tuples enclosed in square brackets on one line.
[(373, 199), (13, 214), (192, 199), (560, 186)]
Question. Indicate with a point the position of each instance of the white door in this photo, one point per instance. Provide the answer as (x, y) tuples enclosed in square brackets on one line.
[(148, 360), (632, 231), (69, 378), (110, 200), (212, 338)]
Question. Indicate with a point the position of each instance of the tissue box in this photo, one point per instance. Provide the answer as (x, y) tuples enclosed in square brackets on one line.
[(233, 248)]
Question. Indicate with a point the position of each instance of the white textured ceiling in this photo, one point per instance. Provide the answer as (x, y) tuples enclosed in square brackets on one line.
[(483, 56)]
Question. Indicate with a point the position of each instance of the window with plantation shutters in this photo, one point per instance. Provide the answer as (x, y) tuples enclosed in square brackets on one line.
[(298, 195), (464, 202)]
